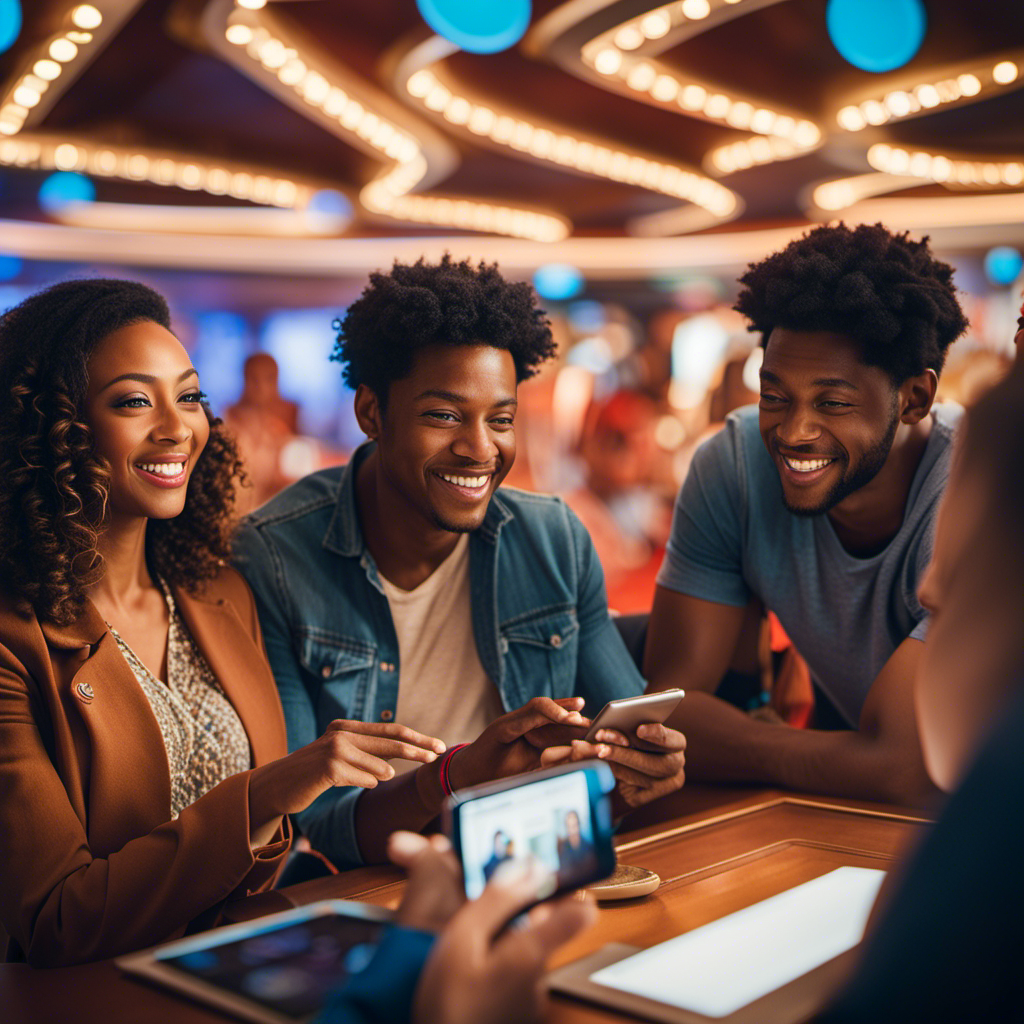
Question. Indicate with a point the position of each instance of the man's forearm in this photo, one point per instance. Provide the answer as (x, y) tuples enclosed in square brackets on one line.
[(410, 801), (725, 745)]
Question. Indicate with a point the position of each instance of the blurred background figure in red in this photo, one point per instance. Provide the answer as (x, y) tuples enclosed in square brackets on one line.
[(263, 422)]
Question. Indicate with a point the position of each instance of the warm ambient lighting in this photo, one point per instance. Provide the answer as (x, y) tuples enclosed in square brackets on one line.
[(568, 150), (389, 194), (979, 81), (610, 55), (86, 16), (940, 168), (157, 168)]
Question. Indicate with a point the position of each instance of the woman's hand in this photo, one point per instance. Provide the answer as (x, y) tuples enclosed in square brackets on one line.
[(349, 753)]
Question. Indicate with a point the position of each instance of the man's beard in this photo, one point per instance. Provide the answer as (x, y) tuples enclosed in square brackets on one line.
[(865, 471)]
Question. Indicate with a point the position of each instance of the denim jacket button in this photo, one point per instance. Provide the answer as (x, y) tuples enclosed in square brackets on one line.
[(326, 671), (556, 640), (504, 646), (386, 715)]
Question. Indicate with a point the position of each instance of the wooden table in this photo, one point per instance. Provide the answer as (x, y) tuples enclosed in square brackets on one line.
[(717, 849)]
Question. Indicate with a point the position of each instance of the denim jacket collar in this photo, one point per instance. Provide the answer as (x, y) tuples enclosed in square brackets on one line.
[(345, 536)]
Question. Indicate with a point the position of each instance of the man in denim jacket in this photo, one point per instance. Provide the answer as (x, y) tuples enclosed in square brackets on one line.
[(403, 587)]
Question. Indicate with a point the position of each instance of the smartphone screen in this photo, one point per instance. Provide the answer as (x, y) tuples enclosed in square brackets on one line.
[(564, 821)]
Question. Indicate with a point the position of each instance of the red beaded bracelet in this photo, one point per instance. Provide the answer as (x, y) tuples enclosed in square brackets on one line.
[(446, 784)]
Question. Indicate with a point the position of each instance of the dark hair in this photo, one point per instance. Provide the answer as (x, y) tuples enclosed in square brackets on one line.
[(882, 289), (54, 495), (447, 303)]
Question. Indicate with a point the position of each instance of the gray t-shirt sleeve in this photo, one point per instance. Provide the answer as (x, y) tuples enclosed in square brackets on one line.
[(703, 557), (922, 557)]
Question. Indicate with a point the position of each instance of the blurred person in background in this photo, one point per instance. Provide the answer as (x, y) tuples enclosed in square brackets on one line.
[(624, 511), (947, 941), (821, 505), (263, 423)]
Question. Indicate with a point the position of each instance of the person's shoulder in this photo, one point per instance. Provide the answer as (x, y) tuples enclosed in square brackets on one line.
[(536, 512), (228, 585), (310, 496), (17, 622), (946, 420)]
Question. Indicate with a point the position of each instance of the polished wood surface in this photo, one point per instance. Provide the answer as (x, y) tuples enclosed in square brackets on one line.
[(717, 850)]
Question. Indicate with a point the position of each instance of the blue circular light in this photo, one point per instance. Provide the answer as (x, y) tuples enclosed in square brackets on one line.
[(10, 267), (1003, 264), (479, 26), (10, 23), (65, 187), (330, 201), (876, 35), (557, 281)]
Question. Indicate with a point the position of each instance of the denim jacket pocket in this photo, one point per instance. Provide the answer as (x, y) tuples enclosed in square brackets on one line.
[(540, 653), (344, 667)]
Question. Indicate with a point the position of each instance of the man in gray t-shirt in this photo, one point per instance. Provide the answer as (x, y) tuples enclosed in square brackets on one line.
[(819, 504)]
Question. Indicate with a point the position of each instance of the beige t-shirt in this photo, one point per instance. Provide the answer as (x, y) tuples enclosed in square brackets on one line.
[(442, 687)]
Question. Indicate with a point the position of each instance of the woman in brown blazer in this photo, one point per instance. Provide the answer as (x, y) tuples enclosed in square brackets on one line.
[(144, 773)]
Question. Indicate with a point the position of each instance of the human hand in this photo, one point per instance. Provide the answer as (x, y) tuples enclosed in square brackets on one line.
[(641, 775), (513, 743), (434, 890), (479, 972), (349, 753)]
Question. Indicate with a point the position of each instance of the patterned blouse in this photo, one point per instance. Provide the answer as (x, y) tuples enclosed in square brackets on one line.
[(204, 737)]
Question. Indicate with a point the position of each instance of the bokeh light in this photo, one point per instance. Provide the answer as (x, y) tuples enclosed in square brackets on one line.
[(10, 23), (876, 35), (1003, 264), (557, 281), (64, 187), (479, 27)]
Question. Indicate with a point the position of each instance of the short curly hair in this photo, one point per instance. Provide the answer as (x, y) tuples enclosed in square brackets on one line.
[(54, 499), (446, 303), (882, 289)]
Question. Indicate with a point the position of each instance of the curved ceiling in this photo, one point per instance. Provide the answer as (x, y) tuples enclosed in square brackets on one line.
[(618, 120)]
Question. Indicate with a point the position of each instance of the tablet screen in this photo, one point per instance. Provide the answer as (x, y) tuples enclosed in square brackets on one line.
[(720, 967), (291, 968)]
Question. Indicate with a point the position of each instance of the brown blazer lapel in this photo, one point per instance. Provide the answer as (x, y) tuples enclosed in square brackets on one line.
[(241, 669), (128, 788)]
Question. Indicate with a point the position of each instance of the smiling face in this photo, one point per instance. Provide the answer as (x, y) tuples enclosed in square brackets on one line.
[(143, 406), (827, 419), (447, 438)]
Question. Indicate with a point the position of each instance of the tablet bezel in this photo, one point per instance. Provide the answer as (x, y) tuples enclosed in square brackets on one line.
[(797, 1000), (149, 963)]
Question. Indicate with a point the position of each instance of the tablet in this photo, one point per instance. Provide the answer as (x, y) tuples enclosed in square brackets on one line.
[(278, 969), (775, 962)]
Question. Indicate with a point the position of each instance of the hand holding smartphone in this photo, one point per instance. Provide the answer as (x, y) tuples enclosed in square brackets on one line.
[(560, 817), (627, 714)]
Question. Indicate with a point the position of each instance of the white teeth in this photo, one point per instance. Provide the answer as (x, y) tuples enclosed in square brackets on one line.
[(465, 481), (163, 468), (806, 465)]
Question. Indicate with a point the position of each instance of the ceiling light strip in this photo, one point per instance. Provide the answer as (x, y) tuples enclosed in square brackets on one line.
[(947, 169), (952, 86), (55, 64), (157, 167), (842, 193), (621, 57), (566, 149), (312, 82)]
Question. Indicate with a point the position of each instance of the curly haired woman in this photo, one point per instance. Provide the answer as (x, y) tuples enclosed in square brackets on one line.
[(143, 766)]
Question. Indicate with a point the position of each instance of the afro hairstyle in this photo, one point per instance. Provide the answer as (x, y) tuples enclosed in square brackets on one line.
[(446, 303), (882, 289)]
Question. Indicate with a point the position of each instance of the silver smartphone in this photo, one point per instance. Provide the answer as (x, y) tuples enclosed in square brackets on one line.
[(625, 715)]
